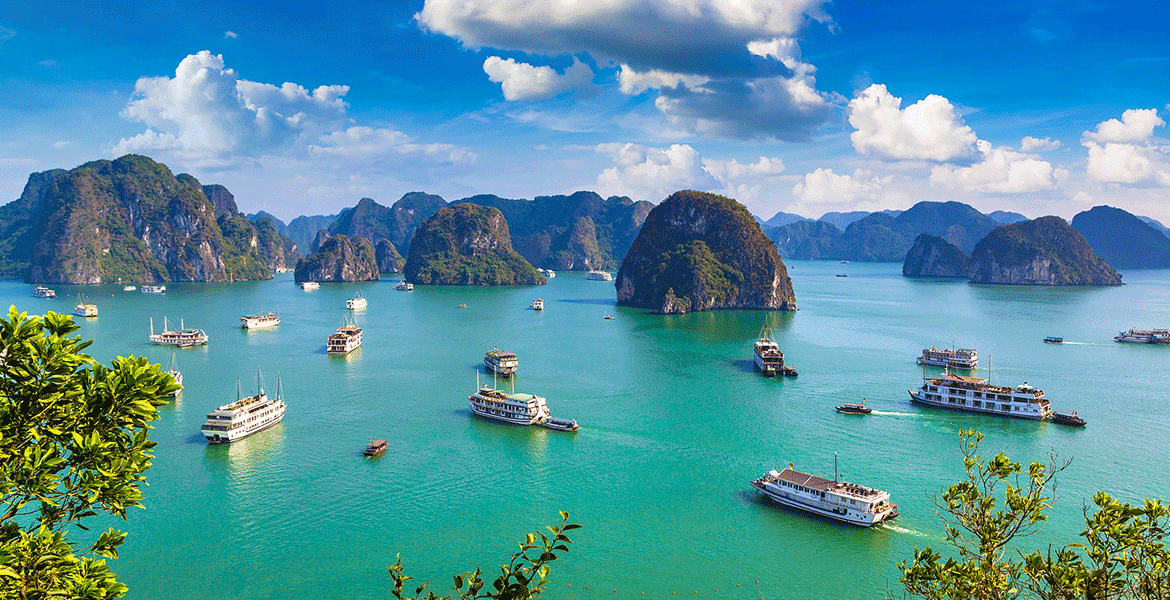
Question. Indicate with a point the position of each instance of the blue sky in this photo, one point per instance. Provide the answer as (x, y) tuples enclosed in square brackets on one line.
[(302, 108)]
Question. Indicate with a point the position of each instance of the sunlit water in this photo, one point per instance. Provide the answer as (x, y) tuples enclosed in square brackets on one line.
[(674, 425)]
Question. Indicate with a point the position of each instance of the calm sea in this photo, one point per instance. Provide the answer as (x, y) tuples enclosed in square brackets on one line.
[(674, 424)]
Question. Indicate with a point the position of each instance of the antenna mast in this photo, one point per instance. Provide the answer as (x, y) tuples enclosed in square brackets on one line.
[(834, 467)]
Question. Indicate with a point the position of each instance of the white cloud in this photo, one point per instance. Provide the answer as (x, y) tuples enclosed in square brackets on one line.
[(824, 187), (930, 129), (734, 171), (362, 141), (62, 144), (1125, 151), (1032, 144), (1136, 125), (522, 81), (1001, 171), (650, 173), (230, 35), (632, 83)]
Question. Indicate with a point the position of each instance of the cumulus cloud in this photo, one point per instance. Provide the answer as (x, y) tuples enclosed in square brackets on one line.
[(1031, 144), (930, 129), (522, 81), (230, 35), (722, 67), (362, 141), (824, 187), (1000, 170), (1125, 151), (651, 173)]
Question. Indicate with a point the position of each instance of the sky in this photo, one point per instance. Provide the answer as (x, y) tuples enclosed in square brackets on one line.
[(799, 106)]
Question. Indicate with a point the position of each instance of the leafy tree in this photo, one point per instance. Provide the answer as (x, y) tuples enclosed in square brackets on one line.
[(73, 444), (1122, 556), (522, 578)]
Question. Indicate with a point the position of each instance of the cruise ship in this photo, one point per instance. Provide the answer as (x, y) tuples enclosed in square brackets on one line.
[(85, 309), (548, 273), (1143, 336), (245, 416), (153, 289), (43, 292), (347, 339), (182, 338), (310, 285), (500, 362), (599, 276), (838, 500), (974, 394), (768, 357), (404, 286), (517, 409), (963, 358), (537, 304), (356, 303), (260, 321)]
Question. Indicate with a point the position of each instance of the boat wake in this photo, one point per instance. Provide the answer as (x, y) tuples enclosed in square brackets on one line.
[(898, 529), (890, 413)]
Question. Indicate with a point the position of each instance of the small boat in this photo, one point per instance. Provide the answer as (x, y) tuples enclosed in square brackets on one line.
[(129, 288), (268, 319), (788, 371), (154, 289), (1066, 418), (500, 362), (855, 409), (404, 286), (841, 275), (43, 292), (1052, 339), (599, 276), (461, 306), (608, 317), (310, 285), (561, 424), (537, 304), (182, 338), (548, 273), (844, 262), (176, 375), (84, 309), (375, 448), (356, 303)]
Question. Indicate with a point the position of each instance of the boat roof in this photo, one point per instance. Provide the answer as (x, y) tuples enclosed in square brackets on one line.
[(501, 354), (964, 378), (825, 485)]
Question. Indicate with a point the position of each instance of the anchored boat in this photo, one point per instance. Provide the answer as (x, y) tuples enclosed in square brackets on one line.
[(176, 376), (962, 358), (599, 276), (356, 303), (346, 339), (268, 319), (85, 309), (153, 289), (502, 363), (404, 286), (375, 448), (182, 338), (43, 292), (537, 304), (245, 416), (768, 357)]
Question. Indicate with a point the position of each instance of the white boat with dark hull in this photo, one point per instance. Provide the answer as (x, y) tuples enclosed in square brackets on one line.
[(501, 363), (837, 500), (153, 289), (85, 309), (537, 304), (43, 292), (346, 339), (962, 358), (548, 273), (599, 276), (404, 286), (260, 321), (183, 338), (245, 416), (974, 394), (1144, 336), (768, 357), (310, 285), (515, 409)]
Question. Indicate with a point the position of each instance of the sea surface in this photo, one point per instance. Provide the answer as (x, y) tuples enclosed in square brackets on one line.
[(674, 424)]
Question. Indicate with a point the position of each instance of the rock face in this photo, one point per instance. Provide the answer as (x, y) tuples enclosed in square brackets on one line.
[(579, 232), (699, 251), (396, 223), (932, 256), (129, 219), (275, 250), (389, 260), (467, 244), (1044, 251), (303, 230), (340, 259), (1124, 240)]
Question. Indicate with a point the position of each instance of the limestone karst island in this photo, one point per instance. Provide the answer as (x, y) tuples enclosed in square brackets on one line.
[(635, 299)]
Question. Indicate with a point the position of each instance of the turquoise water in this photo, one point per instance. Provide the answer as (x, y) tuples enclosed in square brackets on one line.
[(674, 425)]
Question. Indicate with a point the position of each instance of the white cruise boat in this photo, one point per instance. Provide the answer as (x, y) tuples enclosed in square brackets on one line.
[(548, 273), (963, 358), (245, 416), (43, 292), (85, 309), (838, 500), (347, 339), (176, 375), (260, 321), (356, 303), (768, 357), (153, 289), (404, 286), (1144, 336), (517, 409), (182, 338), (129, 288), (310, 285), (501, 363), (974, 394), (537, 304), (599, 276)]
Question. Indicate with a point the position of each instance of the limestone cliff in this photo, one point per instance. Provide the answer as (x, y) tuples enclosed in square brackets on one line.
[(699, 251), (467, 244), (340, 258), (932, 256), (1044, 251), (389, 260)]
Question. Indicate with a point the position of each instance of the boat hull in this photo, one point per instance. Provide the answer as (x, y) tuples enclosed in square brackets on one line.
[(916, 399), (503, 418), (221, 437), (856, 518)]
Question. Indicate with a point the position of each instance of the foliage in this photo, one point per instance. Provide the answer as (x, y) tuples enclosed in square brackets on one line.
[(73, 444), (467, 244), (1019, 246), (1123, 555), (933, 256), (523, 577), (340, 258), (1122, 239)]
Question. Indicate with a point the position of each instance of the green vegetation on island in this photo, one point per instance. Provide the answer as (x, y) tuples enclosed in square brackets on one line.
[(396, 223), (1124, 240), (1043, 251), (467, 244), (700, 251), (932, 256), (389, 260), (340, 258)]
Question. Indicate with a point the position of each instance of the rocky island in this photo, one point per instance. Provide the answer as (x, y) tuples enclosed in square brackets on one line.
[(1044, 251), (389, 260), (130, 220), (1124, 240), (340, 258), (932, 256), (699, 251), (467, 244)]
